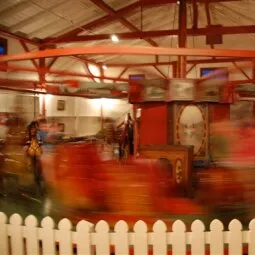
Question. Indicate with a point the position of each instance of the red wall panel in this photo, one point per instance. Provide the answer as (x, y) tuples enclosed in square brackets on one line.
[(220, 112), (153, 124)]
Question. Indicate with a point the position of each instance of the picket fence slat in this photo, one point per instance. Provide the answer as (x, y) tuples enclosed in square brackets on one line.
[(83, 238), (24, 238), (179, 238), (235, 238), (31, 234), (121, 239), (64, 236), (3, 234), (251, 239), (159, 238), (102, 238), (16, 235), (140, 238), (198, 238), (216, 238), (47, 236)]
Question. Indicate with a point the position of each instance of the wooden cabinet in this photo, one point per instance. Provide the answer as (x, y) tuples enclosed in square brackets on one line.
[(181, 160)]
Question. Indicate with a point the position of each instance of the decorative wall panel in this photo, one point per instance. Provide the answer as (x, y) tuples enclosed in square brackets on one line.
[(191, 128)]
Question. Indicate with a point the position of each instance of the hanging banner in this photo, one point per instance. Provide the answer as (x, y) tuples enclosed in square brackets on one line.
[(181, 90)]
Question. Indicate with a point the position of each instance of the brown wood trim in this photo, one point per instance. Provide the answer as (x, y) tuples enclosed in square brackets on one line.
[(170, 124), (166, 147)]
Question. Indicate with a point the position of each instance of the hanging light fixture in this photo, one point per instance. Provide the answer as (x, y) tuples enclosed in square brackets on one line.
[(115, 38)]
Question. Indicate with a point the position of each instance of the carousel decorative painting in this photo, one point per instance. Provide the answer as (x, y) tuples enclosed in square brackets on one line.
[(191, 128)]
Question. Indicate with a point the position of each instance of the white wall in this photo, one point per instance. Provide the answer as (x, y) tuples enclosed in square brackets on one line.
[(26, 104), (51, 103), (83, 116)]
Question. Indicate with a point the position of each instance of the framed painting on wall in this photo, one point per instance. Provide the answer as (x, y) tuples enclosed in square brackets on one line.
[(181, 90), (211, 89), (154, 93), (61, 105), (191, 128)]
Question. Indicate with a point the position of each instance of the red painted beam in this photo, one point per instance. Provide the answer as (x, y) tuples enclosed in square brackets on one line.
[(88, 70), (30, 83), (52, 62), (21, 90), (160, 33), (24, 46), (18, 83), (125, 50), (208, 17), (12, 68), (87, 61), (197, 61), (190, 69), (161, 73), (123, 71), (241, 70)]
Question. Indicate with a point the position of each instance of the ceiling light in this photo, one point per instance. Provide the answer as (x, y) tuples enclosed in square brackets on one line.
[(104, 67), (115, 38), (178, 2)]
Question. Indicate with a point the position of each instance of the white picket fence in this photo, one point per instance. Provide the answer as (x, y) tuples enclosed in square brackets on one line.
[(17, 238)]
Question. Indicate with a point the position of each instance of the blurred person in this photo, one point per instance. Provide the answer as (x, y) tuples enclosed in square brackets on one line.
[(34, 152), (42, 130)]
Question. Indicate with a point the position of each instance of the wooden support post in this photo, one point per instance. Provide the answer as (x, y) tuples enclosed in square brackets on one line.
[(101, 74), (42, 79), (182, 38)]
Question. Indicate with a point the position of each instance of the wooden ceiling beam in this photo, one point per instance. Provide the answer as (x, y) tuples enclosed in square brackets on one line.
[(103, 6), (161, 33)]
